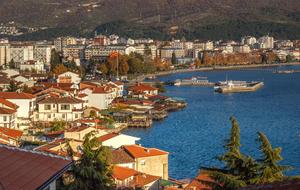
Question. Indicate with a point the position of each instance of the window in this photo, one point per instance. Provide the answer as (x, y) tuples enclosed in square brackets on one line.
[(65, 107), (143, 162), (4, 118), (76, 115), (49, 116), (47, 106), (63, 115)]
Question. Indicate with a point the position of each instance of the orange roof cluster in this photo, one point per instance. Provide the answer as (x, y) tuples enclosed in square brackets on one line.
[(8, 103), (16, 95), (11, 133), (6, 111), (139, 179), (107, 137), (141, 88), (101, 90), (140, 152), (199, 183)]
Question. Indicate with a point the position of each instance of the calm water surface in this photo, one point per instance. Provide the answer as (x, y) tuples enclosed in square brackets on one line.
[(195, 135)]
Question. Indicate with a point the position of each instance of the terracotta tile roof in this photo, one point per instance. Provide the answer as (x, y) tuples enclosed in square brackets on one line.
[(107, 137), (60, 100), (119, 156), (8, 103), (29, 170), (7, 111), (118, 83), (101, 90), (4, 80), (82, 95), (141, 179), (141, 88), (122, 173), (196, 183), (77, 129), (140, 152), (16, 95), (12, 133)]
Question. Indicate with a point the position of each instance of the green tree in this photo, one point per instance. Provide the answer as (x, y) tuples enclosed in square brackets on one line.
[(135, 65), (55, 59), (103, 69), (269, 170), (12, 64), (26, 89), (173, 59), (58, 125), (13, 87), (290, 58), (160, 86), (92, 171)]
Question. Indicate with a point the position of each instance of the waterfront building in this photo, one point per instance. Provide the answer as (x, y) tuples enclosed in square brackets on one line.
[(167, 51), (150, 161), (248, 40), (142, 91), (203, 45), (266, 42), (102, 52), (243, 48)]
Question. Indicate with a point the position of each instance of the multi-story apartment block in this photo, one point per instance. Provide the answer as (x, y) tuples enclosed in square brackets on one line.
[(21, 52), (4, 52), (266, 42), (167, 51), (73, 51), (248, 40), (102, 52), (32, 65), (42, 52)]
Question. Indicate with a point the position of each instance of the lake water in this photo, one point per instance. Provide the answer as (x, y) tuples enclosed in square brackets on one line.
[(195, 135)]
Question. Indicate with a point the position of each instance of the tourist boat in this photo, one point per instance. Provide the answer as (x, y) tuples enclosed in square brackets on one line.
[(197, 81), (237, 86), (286, 71)]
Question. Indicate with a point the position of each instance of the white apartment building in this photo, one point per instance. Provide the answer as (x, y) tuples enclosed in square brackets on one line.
[(42, 52), (249, 40), (101, 97), (266, 42), (31, 65), (4, 54), (21, 52)]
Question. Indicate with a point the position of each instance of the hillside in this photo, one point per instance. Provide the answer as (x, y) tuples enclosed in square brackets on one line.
[(162, 19)]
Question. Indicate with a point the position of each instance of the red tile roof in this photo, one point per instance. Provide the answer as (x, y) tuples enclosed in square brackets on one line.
[(8, 103), (107, 137), (29, 170), (198, 183), (101, 90), (7, 111), (140, 152), (141, 88), (144, 179), (122, 173), (120, 156), (78, 129), (16, 95), (12, 133), (60, 100)]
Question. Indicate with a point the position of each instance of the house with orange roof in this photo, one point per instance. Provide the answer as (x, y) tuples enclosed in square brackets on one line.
[(140, 90), (201, 182), (79, 132), (151, 161), (69, 77), (8, 113), (130, 178), (58, 108), (26, 105), (10, 136)]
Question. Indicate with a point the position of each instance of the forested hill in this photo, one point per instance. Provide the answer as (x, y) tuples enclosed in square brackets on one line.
[(161, 19)]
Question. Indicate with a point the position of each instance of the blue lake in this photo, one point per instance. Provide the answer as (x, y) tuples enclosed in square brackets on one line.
[(195, 136)]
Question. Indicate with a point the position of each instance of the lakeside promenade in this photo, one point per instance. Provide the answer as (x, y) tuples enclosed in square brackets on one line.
[(213, 68)]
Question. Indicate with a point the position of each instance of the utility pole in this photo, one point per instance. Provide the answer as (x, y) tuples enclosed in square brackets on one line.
[(117, 64)]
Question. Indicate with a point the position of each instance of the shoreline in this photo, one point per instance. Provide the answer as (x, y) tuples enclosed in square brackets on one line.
[(216, 68)]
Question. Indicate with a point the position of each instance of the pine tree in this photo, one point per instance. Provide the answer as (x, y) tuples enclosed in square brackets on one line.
[(13, 87), (92, 171), (55, 59), (173, 59), (269, 170)]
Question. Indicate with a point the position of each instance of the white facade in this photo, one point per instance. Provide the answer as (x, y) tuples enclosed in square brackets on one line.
[(100, 100), (266, 42), (21, 53), (120, 140), (37, 66), (74, 77), (4, 54)]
